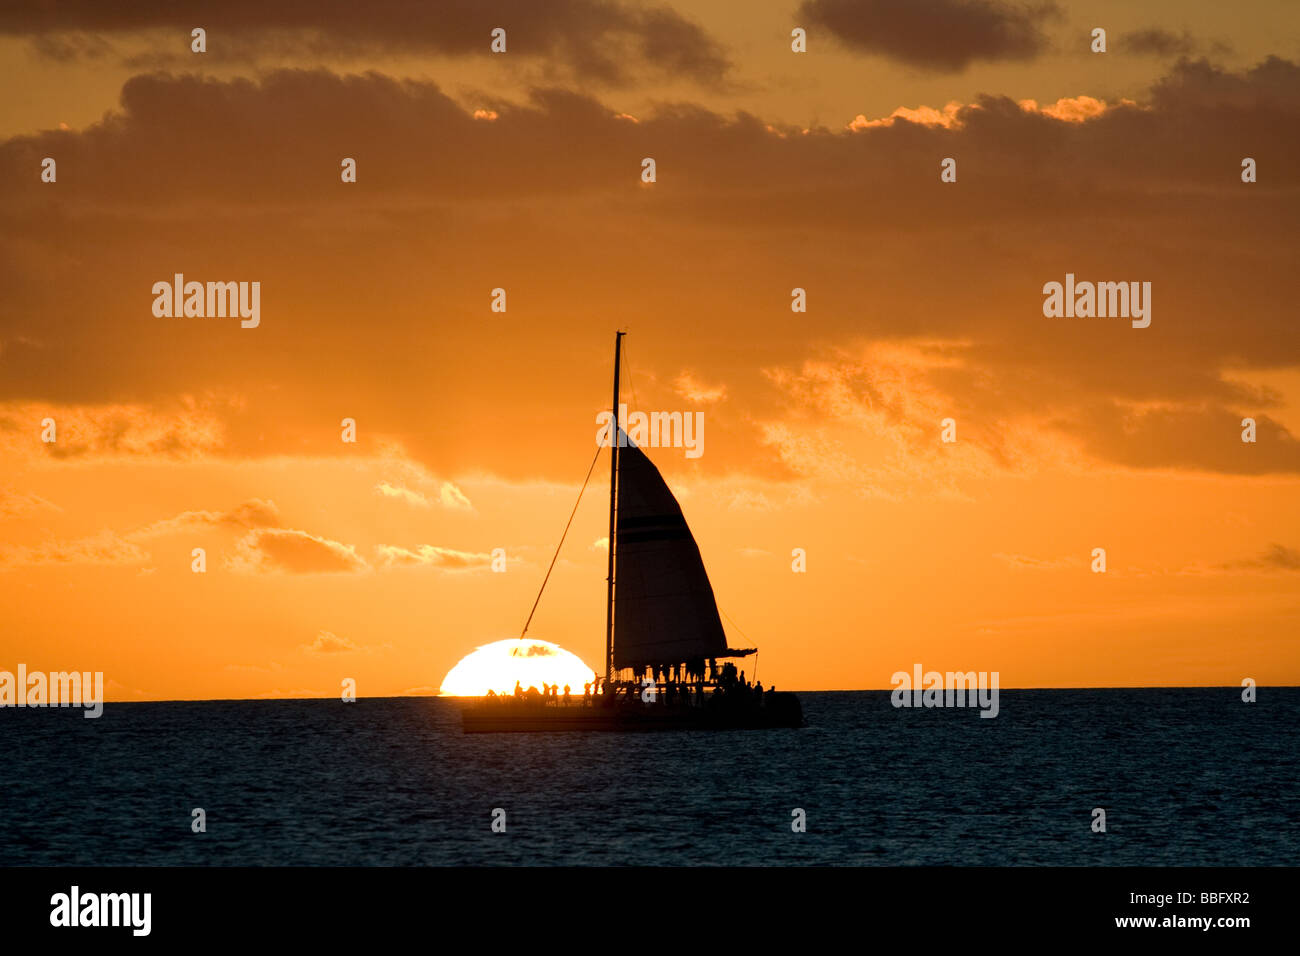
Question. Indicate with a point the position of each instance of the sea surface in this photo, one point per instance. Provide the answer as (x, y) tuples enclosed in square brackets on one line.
[(1186, 777)]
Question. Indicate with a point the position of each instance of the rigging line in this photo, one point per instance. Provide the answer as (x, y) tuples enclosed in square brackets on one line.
[(745, 636), (736, 626), (561, 544)]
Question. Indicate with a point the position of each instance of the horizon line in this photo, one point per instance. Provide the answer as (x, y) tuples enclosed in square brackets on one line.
[(831, 690)]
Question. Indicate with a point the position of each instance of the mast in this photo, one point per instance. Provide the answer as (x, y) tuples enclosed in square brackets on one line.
[(613, 528)]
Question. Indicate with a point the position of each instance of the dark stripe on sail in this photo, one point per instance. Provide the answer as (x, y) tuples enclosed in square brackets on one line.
[(653, 528), (650, 521), (640, 537)]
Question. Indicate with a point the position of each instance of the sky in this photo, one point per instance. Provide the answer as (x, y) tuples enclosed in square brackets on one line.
[(775, 170)]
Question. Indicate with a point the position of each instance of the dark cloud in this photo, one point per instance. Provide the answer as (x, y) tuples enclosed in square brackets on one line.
[(1277, 557), (533, 650), (1185, 437), (1157, 41), (294, 552), (67, 47), (104, 430), (254, 513), (375, 293), (1265, 93), (944, 35), (1281, 557), (599, 40)]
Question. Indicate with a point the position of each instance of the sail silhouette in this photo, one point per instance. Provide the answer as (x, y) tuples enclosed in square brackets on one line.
[(664, 609)]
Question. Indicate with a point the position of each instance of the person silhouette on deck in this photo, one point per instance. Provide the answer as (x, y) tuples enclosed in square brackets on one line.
[(519, 690)]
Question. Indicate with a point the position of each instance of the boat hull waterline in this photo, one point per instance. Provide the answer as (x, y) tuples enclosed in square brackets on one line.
[(498, 716)]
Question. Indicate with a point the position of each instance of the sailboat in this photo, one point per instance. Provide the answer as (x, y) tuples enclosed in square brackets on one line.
[(667, 662)]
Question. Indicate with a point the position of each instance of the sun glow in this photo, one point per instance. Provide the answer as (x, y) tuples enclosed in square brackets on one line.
[(498, 665)]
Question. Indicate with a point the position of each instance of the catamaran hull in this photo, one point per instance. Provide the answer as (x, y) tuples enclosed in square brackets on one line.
[(505, 717)]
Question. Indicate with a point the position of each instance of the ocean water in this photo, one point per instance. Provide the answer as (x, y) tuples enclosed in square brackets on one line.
[(1186, 776)]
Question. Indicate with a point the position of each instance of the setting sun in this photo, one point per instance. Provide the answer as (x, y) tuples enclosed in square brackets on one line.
[(498, 665)]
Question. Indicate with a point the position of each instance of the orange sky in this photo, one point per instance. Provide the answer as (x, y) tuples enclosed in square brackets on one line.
[(775, 170)]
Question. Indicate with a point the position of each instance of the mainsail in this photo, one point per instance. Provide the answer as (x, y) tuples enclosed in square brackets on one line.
[(664, 609)]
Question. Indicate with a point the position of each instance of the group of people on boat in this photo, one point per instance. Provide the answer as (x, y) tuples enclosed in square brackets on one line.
[(549, 694), (676, 685), (684, 685)]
